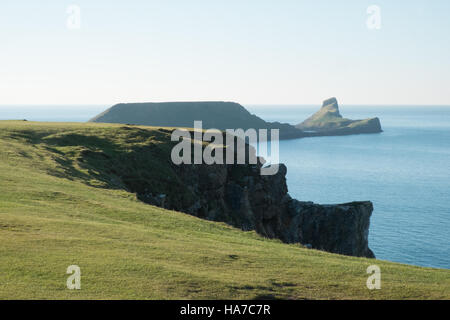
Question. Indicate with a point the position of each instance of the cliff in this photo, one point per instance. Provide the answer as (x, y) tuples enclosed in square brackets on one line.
[(235, 194), (329, 121), (240, 196), (214, 115), (138, 160)]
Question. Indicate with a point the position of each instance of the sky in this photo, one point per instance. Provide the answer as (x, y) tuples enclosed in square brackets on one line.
[(247, 51)]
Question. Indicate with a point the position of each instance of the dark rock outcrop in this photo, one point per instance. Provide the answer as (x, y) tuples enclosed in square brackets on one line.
[(240, 196), (329, 122), (341, 228)]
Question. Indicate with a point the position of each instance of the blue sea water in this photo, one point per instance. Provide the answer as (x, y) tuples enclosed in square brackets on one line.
[(55, 113), (404, 171)]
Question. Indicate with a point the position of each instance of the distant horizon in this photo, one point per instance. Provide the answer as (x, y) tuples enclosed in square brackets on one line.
[(243, 104)]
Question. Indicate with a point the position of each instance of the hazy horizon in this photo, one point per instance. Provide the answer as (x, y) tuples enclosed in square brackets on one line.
[(84, 112), (56, 105)]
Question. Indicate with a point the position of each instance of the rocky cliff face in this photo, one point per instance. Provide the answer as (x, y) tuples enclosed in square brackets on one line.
[(341, 228), (139, 161), (240, 196)]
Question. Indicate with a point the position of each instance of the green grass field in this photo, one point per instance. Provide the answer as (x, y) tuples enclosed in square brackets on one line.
[(56, 211)]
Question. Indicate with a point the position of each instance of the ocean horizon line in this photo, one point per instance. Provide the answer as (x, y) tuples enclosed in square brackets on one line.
[(244, 104)]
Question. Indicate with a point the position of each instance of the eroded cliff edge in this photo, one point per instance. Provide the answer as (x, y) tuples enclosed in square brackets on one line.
[(240, 196), (138, 160)]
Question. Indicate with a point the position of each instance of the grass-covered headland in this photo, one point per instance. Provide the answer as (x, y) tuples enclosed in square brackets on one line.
[(62, 204)]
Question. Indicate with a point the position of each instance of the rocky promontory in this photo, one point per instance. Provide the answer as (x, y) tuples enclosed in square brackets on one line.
[(230, 115), (329, 122), (213, 114), (240, 196)]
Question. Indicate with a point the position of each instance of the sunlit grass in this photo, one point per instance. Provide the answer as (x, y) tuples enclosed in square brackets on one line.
[(56, 211)]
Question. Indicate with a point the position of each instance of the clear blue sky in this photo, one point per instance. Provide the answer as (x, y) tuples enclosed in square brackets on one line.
[(259, 52)]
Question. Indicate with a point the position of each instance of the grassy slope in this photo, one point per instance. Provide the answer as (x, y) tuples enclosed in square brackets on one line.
[(127, 249)]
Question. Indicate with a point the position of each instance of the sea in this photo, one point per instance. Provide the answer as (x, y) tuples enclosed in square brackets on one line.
[(404, 171)]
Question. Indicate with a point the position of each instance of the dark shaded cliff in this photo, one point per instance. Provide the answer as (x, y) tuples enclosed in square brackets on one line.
[(138, 160), (240, 196)]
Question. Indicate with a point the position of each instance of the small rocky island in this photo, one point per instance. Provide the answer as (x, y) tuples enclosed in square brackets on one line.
[(329, 122)]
